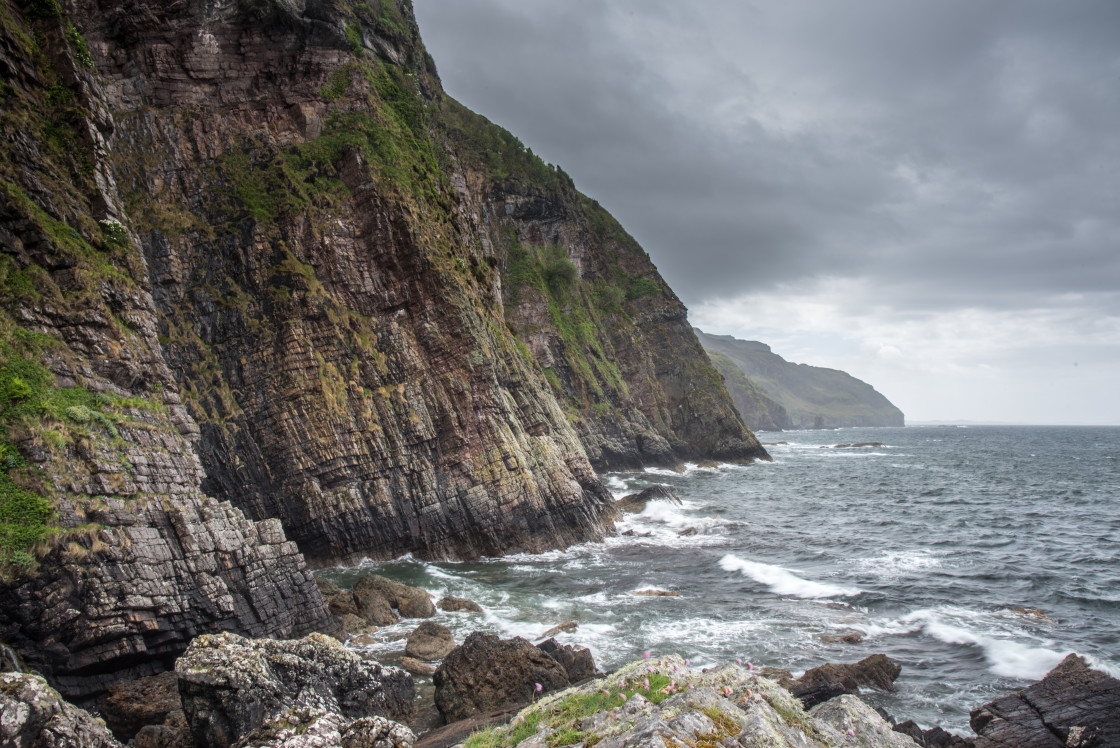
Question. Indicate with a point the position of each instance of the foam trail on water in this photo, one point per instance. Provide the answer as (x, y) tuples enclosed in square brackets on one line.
[(783, 581), (1008, 658)]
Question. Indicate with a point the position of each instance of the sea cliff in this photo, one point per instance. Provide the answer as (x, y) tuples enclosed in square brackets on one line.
[(270, 299)]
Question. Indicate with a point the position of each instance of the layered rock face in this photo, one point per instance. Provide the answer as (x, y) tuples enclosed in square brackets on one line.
[(585, 299), (111, 558), (336, 334)]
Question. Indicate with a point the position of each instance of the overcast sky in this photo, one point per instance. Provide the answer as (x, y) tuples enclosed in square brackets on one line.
[(924, 194)]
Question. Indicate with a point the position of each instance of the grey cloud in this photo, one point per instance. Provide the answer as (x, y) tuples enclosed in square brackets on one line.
[(965, 152)]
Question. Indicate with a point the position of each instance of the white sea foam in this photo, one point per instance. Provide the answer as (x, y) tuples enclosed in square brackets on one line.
[(1009, 652), (783, 581), (891, 564)]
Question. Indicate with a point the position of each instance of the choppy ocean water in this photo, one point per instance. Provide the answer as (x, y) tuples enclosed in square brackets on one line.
[(975, 557)]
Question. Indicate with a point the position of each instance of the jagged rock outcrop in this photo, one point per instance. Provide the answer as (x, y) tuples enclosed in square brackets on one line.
[(34, 715), (725, 706), (306, 727), (795, 396), (635, 503), (231, 686), (824, 682), (1073, 705)]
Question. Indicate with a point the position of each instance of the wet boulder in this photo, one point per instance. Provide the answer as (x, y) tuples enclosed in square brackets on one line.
[(1073, 705), (828, 681), (486, 673), (636, 502), (231, 686)]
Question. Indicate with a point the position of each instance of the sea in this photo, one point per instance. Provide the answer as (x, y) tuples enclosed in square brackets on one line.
[(975, 557)]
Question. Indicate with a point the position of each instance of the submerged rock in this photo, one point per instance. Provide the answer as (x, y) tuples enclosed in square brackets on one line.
[(567, 627), (486, 673), (656, 593), (1072, 706), (231, 685), (635, 503), (34, 715), (416, 667)]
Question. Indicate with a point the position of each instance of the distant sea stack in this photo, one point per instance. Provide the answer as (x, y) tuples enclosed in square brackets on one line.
[(774, 394)]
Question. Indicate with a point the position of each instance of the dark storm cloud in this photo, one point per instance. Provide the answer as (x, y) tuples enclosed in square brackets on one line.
[(953, 153)]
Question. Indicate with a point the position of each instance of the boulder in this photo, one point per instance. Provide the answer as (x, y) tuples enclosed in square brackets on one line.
[(412, 602), (164, 736), (34, 715), (853, 637), (576, 661), (458, 604), (636, 502), (486, 673), (353, 624), (133, 704), (429, 641), (414, 666), (1073, 705), (342, 603), (231, 685), (327, 588), (657, 593), (310, 727), (373, 607)]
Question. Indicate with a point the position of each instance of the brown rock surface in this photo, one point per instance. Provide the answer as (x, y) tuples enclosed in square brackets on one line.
[(429, 641), (131, 705), (411, 602), (486, 673), (827, 681), (577, 662), (458, 604)]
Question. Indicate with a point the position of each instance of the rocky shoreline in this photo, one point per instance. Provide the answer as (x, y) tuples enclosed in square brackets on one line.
[(229, 691)]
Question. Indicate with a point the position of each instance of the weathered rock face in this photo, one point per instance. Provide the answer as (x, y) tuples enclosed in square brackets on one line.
[(486, 672), (586, 300), (132, 705), (231, 686), (1072, 706), (577, 662), (333, 331), (429, 641), (827, 681), (307, 727), (33, 715)]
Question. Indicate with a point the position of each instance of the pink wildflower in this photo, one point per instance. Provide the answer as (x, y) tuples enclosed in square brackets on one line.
[(687, 662), (852, 733), (645, 682), (750, 666), (539, 687), (739, 660), (622, 696), (646, 654), (651, 670)]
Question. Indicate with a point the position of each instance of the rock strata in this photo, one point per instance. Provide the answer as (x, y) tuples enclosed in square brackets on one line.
[(485, 673), (231, 685), (1073, 705)]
